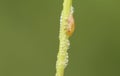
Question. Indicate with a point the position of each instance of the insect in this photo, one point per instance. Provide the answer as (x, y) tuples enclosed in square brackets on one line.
[(71, 25)]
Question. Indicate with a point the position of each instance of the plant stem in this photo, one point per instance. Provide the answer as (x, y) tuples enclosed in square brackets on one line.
[(62, 57)]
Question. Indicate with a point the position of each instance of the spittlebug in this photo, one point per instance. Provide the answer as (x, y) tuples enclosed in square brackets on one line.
[(71, 24)]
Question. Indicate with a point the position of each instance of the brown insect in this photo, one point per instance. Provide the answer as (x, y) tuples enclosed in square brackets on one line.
[(71, 25)]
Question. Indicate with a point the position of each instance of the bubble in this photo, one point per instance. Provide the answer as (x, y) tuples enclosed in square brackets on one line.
[(72, 10), (60, 19), (66, 60)]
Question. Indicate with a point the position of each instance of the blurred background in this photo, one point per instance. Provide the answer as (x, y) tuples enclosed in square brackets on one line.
[(29, 38)]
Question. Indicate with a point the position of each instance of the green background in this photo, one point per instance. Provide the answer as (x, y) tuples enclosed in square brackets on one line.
[(29, 38)]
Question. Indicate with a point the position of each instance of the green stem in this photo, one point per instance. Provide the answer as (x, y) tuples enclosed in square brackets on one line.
[(62, 57)]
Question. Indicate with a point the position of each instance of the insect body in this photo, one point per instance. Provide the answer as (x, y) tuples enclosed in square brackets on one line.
[(71, 25)]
